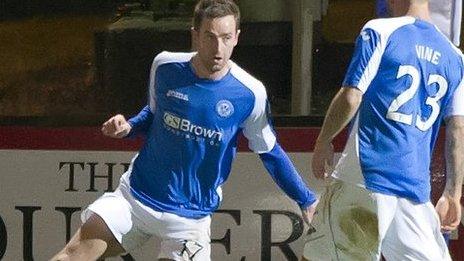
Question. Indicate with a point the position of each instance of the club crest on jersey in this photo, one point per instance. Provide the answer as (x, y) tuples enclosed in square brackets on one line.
[(224, 108)]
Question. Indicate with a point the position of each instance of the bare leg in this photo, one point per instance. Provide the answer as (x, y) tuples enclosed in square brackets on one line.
[(92, 241)]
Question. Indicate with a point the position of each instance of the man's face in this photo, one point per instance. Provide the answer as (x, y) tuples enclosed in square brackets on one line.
[(397, 7), (215, 40)]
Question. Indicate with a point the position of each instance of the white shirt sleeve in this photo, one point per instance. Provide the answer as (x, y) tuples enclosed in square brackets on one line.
[(256, 128), (160, 59), (456, 104), (151, 85)]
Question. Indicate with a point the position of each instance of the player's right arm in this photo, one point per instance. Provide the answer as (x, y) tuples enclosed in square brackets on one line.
[(341, 111), (118, 127), (363, 68)]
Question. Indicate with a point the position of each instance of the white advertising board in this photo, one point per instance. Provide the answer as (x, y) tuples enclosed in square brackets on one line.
[(43, 192)]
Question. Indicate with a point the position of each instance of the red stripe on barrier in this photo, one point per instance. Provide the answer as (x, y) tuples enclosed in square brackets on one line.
[(82, 138), (90, 138)]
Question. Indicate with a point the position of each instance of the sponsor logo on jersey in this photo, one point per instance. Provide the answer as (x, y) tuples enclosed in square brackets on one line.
[(171, 120), (178, 95), (224, 108), (189, 129)]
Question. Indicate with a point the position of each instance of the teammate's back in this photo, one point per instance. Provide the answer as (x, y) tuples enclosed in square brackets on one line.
[(404, 78), (408, 71)]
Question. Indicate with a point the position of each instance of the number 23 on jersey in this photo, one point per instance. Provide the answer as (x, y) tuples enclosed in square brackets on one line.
[(432, 101)]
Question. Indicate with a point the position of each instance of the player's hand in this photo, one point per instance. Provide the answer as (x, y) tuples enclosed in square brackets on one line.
[(308, 213), (449, 212), (116, 127), (322, 160)]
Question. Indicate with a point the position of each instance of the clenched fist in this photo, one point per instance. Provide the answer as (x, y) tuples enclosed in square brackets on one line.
[(116, 127)]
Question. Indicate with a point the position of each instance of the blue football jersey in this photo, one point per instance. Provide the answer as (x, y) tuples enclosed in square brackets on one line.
[(411, 76), (192, 136)]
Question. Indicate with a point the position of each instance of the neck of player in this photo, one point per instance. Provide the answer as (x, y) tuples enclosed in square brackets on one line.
[(420, 11), (203, 72)]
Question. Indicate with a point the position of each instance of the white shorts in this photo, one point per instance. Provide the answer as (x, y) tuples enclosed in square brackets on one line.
[(133, 223), (353, 223)]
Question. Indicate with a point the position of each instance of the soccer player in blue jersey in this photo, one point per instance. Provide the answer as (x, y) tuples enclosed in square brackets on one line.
[(198, 104), (404, 78)]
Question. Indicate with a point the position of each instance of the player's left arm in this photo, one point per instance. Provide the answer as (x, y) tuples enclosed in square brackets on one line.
[(449, 205), (262, 140), (285, 175)]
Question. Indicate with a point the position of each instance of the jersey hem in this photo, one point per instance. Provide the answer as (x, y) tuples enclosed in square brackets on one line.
[(182, 212), (385, 191)]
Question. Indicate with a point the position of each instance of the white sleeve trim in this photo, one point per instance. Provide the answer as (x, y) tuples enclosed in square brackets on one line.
[(384, 27), (256, 127), (456, 106), (371, 69), (160, 59)]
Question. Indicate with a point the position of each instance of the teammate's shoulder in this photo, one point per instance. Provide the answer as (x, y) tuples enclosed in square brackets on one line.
[(457, 50), (248, 80), (461, 55), (172, 57), (385, 26)]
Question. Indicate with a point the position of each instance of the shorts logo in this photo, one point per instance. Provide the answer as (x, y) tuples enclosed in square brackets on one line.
[(224, 108), (191, 248), (311, 230)]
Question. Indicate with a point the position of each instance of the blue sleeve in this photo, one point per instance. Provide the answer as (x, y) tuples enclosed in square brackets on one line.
[(286, 176), (360, 65), (141, 122)]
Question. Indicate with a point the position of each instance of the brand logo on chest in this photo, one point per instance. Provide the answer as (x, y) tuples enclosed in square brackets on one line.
[(178, 95)]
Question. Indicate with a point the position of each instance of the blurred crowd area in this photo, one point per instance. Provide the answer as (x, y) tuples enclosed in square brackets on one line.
[(50, 55)]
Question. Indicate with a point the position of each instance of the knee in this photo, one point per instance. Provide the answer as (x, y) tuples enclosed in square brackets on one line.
[(61, 256), (74, 251), (69, 252)]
